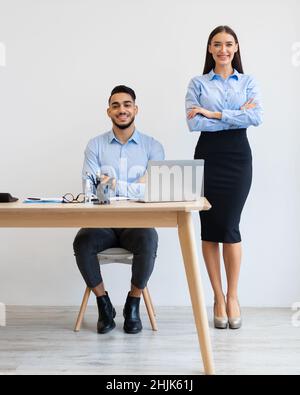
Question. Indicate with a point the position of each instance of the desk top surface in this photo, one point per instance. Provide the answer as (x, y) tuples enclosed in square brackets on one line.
[(121, 206)]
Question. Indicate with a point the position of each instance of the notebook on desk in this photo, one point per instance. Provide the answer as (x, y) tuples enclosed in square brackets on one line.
[(43, 200), (174, 181)]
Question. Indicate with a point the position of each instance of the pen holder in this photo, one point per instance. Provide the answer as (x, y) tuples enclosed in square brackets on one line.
[(103, 190)]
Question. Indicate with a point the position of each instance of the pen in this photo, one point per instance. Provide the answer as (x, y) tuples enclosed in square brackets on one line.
[(91, 178)]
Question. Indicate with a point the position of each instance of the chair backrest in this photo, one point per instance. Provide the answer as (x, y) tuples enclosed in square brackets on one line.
[(115, 255)]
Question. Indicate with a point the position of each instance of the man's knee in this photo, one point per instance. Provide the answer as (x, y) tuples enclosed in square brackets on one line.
[(82, 241), (147, 241)]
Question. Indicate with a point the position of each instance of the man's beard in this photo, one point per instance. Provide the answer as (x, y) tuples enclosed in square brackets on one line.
[(127, 125)]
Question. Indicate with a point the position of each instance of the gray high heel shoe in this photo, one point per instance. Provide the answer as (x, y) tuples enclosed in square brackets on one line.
[(235, 322), (220, 322)]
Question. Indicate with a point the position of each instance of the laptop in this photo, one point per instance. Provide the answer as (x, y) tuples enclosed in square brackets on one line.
[(174, 181)]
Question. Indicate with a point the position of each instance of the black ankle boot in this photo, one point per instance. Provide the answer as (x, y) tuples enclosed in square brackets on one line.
[(107, 314), (131, 313)]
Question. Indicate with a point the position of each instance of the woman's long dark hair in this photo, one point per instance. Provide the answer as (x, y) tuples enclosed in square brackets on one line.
[(236, 61)]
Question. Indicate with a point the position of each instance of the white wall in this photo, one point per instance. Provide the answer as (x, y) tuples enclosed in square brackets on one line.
[(63, 58)]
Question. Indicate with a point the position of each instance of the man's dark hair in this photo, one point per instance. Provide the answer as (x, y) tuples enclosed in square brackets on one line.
[(123, 89)]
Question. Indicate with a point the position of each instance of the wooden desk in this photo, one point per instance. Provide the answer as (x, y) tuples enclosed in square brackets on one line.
[(126, 214)]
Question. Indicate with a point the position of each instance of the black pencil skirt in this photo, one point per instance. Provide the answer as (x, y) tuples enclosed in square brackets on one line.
[(227, 181)]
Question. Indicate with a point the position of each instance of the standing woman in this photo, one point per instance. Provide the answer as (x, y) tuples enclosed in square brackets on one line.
[(221, 104)]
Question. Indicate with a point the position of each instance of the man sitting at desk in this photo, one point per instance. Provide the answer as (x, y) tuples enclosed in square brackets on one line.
[(122, 153)]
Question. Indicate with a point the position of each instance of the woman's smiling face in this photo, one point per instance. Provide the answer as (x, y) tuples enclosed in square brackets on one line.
[(223, 48)]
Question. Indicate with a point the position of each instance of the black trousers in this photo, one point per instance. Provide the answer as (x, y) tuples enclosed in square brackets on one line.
[(227, 182), (142, 243)]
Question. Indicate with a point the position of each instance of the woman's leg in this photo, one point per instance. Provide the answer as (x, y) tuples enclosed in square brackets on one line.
[(232, 254), (211, 255)]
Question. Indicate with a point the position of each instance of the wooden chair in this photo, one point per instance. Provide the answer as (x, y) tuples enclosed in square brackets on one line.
[(116, 255)]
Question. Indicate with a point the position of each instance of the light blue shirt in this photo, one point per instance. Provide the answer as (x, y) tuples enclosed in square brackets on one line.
[(227, 96), (125, 162)]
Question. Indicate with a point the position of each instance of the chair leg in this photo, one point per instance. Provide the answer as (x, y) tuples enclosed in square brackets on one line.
[(149, 308), (150, 300), (82, 309)]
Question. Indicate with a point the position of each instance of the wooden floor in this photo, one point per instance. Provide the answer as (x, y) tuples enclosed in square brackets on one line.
[(40, 340)]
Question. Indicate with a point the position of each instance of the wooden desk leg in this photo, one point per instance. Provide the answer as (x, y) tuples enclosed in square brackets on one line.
[(189, 252)]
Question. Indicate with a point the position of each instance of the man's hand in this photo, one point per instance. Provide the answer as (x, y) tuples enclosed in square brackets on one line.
[(248, 105), (143, 179), (105, 180)]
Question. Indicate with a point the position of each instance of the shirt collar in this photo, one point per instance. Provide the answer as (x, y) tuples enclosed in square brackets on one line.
[(212, 75), (135, 137)]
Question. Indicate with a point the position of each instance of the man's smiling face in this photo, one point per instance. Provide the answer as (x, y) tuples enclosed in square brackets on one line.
[(122, 110)]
